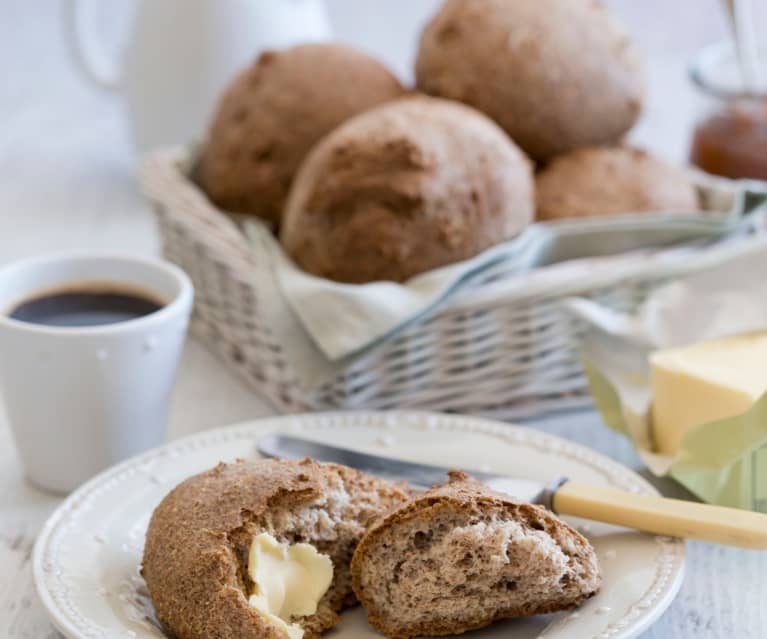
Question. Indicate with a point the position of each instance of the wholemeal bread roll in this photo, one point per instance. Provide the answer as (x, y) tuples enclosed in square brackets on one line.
[(196, 553), (460, 556), (274, 112), (555, 74), (597, 181), (406, 187)]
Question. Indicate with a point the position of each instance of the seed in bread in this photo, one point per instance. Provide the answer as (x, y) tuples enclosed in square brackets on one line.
[(460, 556), (596, 181), (555, 74), (409, 186), (196, 556), (274, 112)]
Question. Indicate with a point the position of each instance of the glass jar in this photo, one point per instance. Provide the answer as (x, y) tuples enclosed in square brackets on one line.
[(730, 136)]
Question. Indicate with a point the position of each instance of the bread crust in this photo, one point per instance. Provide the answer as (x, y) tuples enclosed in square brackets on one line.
[(599, 181), (461, 493), (195, 578), (555, 74), (274, 112), (404, 188)]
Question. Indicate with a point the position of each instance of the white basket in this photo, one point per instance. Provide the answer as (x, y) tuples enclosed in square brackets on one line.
[(502, 347)]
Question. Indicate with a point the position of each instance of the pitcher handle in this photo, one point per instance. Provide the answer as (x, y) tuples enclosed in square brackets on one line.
[(89, 58)]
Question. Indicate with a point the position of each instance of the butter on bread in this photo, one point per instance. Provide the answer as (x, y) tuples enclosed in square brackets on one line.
[(288, 581), (704, 382), (200, 536)]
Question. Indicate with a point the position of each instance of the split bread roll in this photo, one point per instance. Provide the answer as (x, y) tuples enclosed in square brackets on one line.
[(461, 556), (596, 181), (274, 112), (196, 558), (555, 74), (404, 188)]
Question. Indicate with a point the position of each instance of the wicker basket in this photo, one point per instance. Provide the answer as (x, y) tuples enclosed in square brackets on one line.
[(496, 348)]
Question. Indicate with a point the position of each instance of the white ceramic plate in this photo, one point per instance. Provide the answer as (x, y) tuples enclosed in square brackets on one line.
[(87, 557)]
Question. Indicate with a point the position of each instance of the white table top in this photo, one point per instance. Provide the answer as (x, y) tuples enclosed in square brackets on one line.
[(66, 183)]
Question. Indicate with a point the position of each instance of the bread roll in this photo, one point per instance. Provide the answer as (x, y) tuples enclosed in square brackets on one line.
[(597, 181), (406, 187), (196, 554), (555, 74), (272, 115), (460, 556)]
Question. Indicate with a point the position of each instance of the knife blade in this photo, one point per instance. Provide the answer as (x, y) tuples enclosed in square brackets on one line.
[(416, 474), (649, 513)]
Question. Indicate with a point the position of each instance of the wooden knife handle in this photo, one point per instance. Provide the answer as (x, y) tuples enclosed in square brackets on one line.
[(673, 517)]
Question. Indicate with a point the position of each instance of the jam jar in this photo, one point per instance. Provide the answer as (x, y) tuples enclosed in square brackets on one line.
[(730, 136)]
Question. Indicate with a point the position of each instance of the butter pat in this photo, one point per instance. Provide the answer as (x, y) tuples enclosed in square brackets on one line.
[(289, 581), (697, 384)]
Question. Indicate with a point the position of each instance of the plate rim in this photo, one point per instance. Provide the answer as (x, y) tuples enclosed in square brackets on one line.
[(666, 584)]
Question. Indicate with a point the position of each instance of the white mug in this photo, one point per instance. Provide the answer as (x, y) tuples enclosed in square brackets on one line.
[(181, 54), (81, 398)]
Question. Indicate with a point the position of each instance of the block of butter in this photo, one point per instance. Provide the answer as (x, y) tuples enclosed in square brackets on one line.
[(289, 581), (704, 382)]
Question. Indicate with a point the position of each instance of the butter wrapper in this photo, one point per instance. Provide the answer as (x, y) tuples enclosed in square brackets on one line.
[(722, 462)]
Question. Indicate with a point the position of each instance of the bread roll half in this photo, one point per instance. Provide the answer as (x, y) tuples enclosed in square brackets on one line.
[(460, 556), (197, 545)]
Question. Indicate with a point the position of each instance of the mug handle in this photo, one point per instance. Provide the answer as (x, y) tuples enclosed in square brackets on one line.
[(90, 60)]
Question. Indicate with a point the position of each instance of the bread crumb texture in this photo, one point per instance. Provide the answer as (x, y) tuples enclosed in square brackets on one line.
[(461, 556)]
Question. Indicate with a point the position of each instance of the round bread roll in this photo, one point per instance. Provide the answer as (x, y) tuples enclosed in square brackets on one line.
[(596, 181), (404, 188), (272, 115), (555, 74)]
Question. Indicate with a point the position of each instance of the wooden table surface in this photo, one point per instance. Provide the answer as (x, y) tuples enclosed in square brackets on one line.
[(66, 183)]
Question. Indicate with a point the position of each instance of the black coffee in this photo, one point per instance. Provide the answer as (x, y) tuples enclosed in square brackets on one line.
[(85, 307)]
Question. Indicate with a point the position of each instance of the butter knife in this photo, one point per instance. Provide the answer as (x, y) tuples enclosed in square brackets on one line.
[(659, 515)]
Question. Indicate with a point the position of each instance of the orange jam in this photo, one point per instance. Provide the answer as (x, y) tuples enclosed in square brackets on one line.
[(733, 141)]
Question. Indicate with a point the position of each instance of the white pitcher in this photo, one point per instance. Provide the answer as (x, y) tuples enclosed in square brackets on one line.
[(183, 53)]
